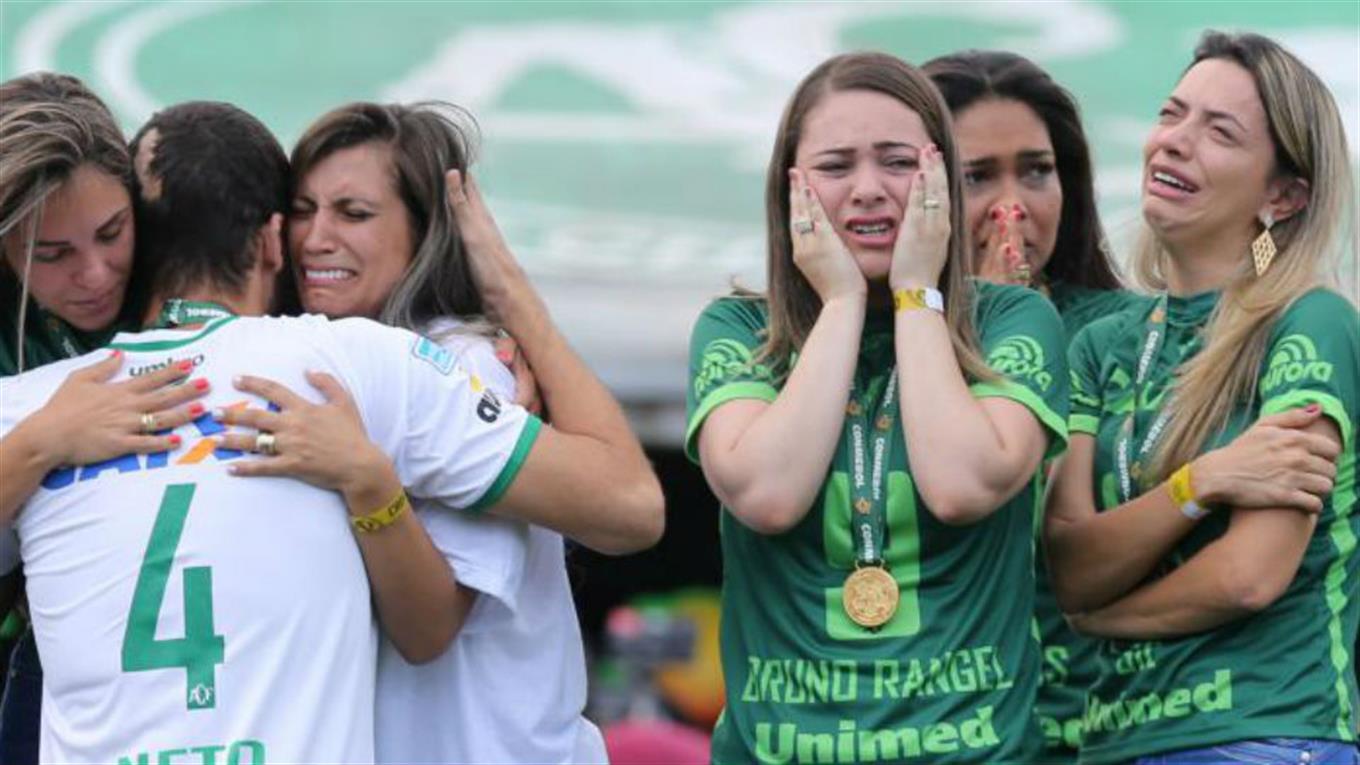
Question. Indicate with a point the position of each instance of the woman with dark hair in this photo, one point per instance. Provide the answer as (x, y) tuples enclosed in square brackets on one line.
[(874, 426), (1028, 188), (1203, 523), (1031, 209)]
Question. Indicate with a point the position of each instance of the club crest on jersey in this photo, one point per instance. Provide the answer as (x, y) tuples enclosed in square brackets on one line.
[(434, 354)]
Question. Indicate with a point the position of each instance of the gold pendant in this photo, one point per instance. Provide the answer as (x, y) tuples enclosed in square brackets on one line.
[(870, 596)]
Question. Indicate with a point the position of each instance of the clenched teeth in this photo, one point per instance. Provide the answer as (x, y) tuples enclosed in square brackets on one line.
[(1171, 180), (329, 274), (871, 228)]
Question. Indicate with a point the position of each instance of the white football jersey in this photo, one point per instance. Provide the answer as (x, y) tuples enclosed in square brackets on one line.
[(512, 686), (186, 615)]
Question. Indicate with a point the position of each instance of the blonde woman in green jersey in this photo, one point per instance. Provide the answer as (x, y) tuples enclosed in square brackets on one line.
[(874, 426), (1202, 522), (1030, 205)]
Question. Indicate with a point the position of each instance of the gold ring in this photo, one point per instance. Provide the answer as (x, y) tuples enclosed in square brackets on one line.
[(264, 444), (148, 422), (930, 203), (803, 226)]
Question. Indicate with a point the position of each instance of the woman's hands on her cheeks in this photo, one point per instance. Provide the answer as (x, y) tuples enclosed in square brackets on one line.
[(526, 386), (922, 245), (90, 419), (1001, 259), (819, 253), (323, 444), (1273, 464)]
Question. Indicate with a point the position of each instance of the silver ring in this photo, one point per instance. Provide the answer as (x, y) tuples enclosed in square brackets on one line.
[(930, 203), (803, 226), (264, 444), (148, 422)]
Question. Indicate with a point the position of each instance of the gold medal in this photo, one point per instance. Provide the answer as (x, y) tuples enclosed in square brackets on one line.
[(870, 596)]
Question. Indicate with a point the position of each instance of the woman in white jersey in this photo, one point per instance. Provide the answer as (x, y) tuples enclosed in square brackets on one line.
[(377, 230)]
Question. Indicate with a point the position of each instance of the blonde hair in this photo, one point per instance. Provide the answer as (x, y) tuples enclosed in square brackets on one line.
[(793, 303), (1310, 144), (50, 125)]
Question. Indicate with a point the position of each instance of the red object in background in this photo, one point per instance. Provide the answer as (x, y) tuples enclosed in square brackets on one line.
[(655, 742)]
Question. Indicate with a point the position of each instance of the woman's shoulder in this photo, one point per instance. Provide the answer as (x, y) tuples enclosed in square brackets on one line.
[(744, 308), (1321, 307), (995, 302)]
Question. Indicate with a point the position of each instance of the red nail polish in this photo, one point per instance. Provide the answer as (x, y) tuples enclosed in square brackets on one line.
[(201, 384), (195, 409), (174, 440), (184, 366), (117, 354)]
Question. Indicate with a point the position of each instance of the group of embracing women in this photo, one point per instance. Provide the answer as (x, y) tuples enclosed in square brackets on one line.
[(981, 502)]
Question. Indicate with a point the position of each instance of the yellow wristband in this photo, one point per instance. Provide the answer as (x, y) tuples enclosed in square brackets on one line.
[(915, 299), (382, 517), (1183, 494)]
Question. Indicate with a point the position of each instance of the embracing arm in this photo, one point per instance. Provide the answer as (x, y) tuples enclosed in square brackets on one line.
[(89, 419), (1097, 557), (419, 602), (587, 476)]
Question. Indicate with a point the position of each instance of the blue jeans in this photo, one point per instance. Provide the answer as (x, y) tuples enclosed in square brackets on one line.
[(1262, 751), (21, 708)]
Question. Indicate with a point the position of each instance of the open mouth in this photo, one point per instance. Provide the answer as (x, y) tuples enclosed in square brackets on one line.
[(1169, 180), (872, 232)]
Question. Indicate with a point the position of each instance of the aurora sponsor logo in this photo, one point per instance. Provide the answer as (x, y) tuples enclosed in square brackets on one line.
[(1295, 359), (724, 359), (1020, 357)]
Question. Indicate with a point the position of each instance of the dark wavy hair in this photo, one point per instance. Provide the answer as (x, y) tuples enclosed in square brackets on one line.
[(1081, 254)]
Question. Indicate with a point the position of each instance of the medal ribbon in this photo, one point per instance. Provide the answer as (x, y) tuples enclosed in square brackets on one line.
[(177, 312), (1130, 466), (869, 443)]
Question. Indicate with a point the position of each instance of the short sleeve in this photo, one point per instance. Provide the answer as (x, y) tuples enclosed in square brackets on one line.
[(452, 438), (487, 553), (722, 362), (1313, 357), (1024, 341), (1083, 360)]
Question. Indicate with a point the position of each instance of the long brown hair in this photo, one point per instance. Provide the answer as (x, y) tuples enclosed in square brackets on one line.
[(427, 139), (1310, 144), (793, 302)]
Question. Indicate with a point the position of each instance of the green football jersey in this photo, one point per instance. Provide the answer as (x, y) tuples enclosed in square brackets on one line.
[(1288, 670), (1068, 658), (951, 677)]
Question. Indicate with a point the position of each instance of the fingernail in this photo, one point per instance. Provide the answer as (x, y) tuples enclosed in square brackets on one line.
[(234, 469), (997, 213), (184, 366), (219, 414), (1312, 409), (200, 384), (117, 354), (238, 381), (504, 357), (174, 440), (195, 409)]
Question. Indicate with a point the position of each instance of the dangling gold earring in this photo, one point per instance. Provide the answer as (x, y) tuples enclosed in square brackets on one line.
[(1263, 247)]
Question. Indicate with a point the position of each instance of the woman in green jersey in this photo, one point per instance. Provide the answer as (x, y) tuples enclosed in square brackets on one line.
[(1202, 522), (874, 425), (1030, 206), (66, 242)]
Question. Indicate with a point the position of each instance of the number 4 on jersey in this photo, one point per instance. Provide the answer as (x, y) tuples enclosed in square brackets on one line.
[(200, 650)]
